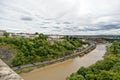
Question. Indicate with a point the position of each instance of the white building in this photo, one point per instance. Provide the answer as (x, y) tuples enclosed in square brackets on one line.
[(55, 36), (2, 32)]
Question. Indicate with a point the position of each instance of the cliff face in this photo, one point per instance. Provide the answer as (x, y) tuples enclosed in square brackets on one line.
[(6, 73), (7, 53)]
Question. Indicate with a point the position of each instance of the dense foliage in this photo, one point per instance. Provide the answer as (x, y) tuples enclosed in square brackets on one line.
[(6, 34), (39, 49), (107, 69)]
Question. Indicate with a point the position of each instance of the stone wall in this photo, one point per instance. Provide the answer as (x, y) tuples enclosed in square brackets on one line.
[(6, 73)]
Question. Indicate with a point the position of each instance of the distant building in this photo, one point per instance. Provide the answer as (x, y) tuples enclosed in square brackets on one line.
[(52, 38), (2, 32), (55, 36), (96, 39), (23, 35), (32, 35)]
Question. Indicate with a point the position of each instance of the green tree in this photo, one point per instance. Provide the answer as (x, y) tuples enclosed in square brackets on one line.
[(36, 33), (19, 59), (6, 34), (107, 69), (76, 77)]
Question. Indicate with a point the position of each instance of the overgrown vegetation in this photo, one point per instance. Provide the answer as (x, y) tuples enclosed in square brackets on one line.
[(26, 50), (107, 69)]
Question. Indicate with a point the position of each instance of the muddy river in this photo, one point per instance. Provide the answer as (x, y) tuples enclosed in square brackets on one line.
[(59, 71)]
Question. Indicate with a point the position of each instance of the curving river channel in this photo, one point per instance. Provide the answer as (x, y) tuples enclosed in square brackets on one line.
[(59, 71)]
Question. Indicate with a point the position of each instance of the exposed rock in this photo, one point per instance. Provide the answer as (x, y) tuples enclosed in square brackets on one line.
[(7, 73)]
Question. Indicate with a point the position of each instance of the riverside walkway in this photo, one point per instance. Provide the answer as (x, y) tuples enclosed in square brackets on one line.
[(76, 53)]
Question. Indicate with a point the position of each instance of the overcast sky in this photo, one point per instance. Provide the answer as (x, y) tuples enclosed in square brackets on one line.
[(80, 17)]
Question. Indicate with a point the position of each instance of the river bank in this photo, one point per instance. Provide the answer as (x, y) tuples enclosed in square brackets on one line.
[(61, 70), (77, 52)]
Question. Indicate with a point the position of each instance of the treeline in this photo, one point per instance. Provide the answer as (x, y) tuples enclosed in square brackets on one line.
[(107, 69), (39, 49)]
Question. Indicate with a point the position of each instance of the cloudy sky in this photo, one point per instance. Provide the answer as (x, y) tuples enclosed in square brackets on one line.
[(81, 17)]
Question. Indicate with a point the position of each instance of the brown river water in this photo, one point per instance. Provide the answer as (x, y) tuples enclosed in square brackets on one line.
[(60, 70)]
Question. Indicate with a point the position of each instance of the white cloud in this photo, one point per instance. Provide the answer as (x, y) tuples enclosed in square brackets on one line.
[(84, 16)]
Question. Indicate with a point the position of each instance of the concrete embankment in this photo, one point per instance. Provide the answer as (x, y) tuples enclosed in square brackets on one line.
[(7, 73)]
